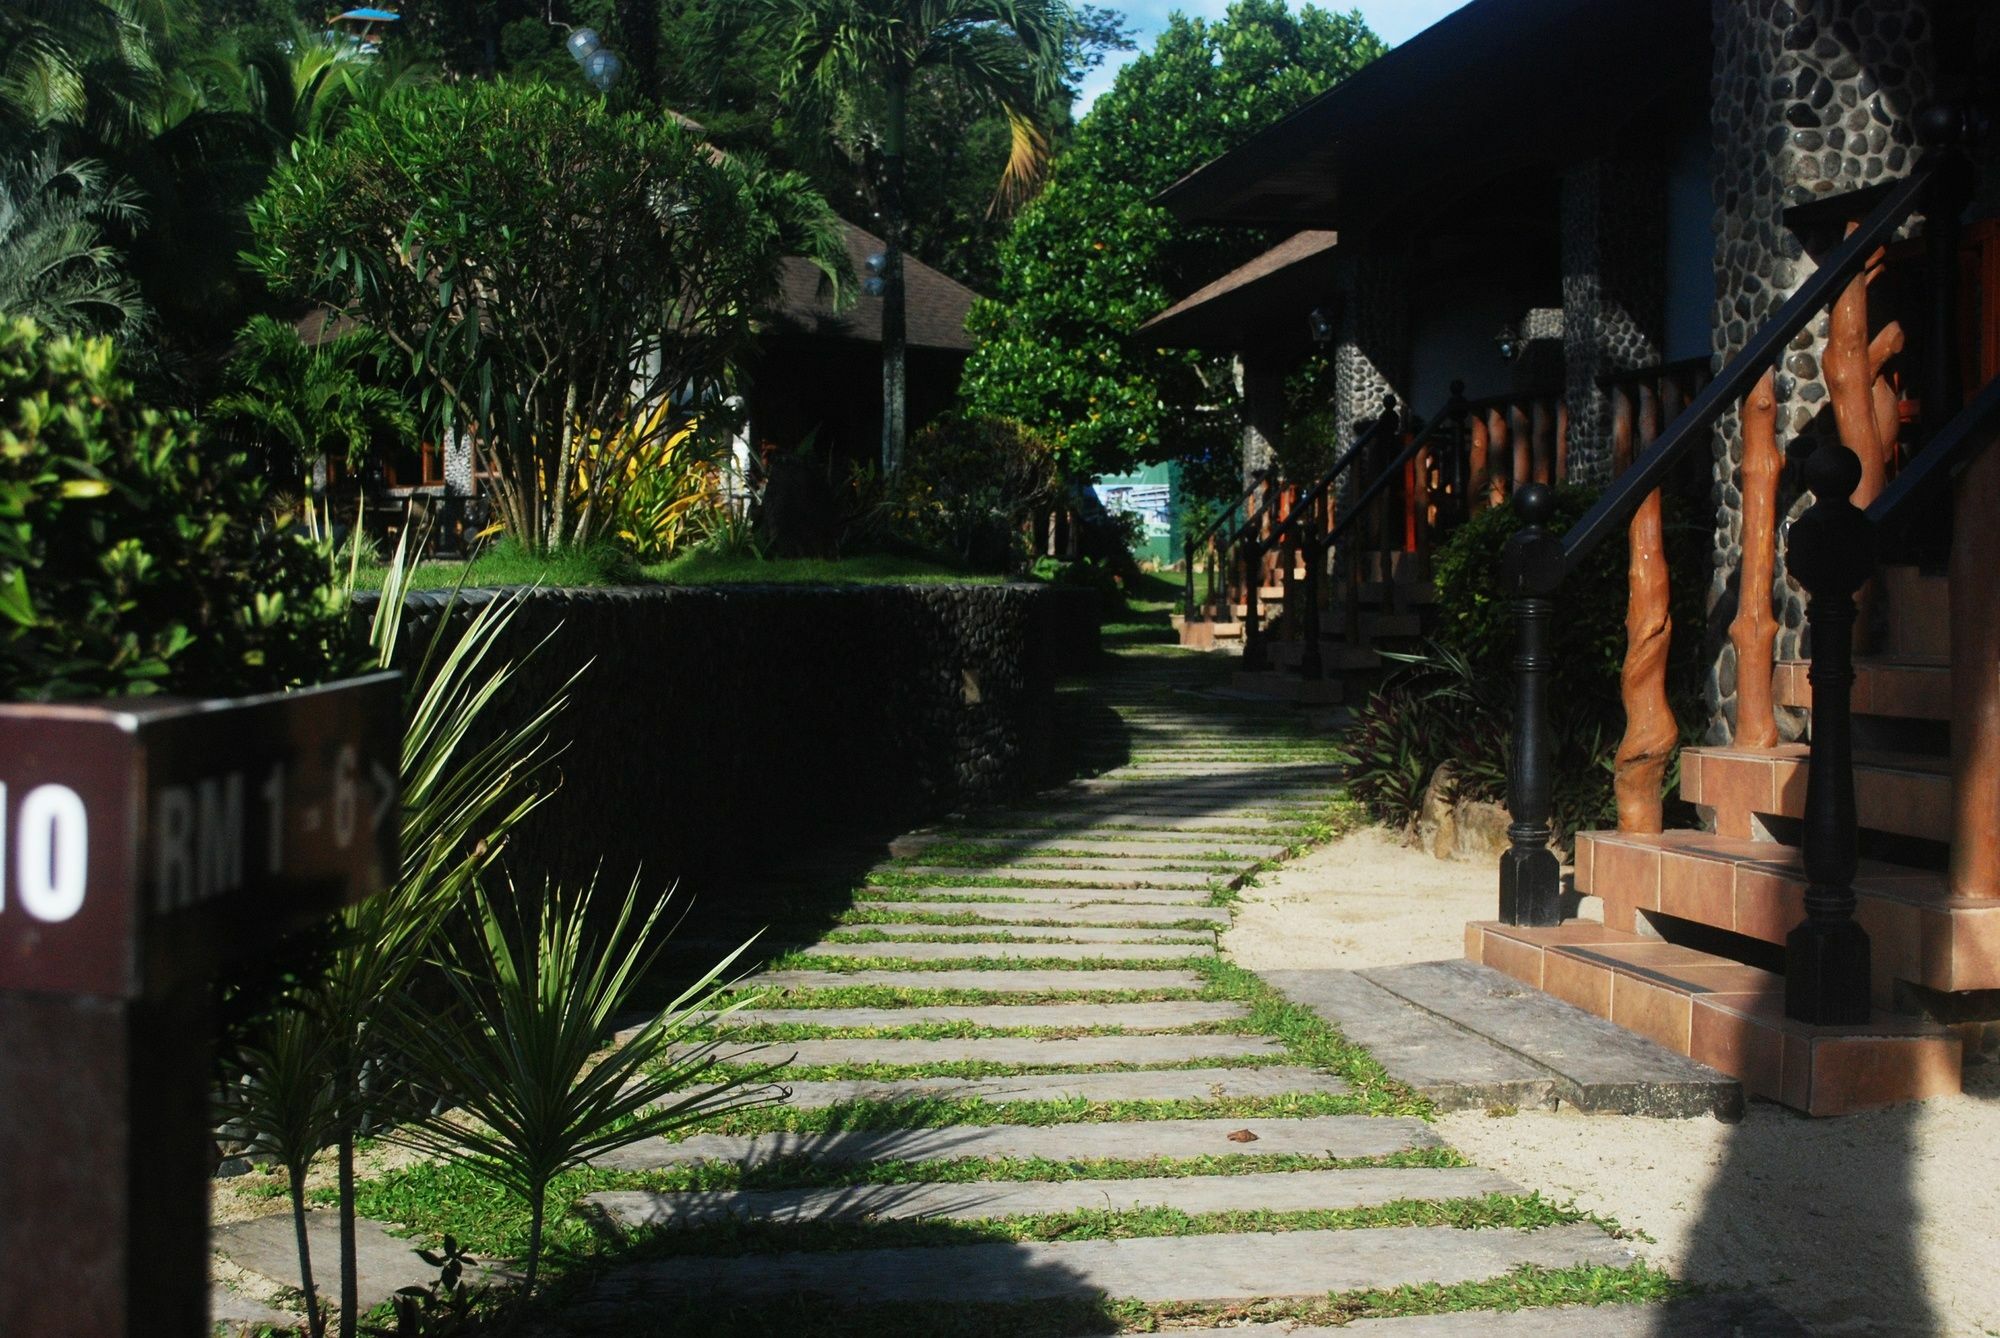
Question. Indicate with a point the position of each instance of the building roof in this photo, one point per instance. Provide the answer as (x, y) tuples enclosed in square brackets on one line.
[(1494, 87), (1240, 309), (935, 305)]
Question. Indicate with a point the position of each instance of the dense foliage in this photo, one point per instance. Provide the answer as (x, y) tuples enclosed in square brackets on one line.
[(1092, 257), (550, 267), (970, 485), (134, 556), (1453, 705)]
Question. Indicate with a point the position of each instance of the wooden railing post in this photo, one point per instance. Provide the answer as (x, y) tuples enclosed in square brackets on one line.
[(1312, 664), (1754, 632), (1255, 656), (1530, 874), (1832, 553), (1187, 576)]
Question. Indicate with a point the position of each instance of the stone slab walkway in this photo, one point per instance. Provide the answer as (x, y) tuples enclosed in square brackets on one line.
[(1035, 1100)]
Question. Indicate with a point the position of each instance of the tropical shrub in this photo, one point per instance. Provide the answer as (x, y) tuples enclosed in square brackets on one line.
[(971, 482), (547, 265), (135, 557), (670, 482), (535, 1093), (56, 266)]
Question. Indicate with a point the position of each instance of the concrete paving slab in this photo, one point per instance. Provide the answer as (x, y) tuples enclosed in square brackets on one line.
[(1031, 1051), (1045, 933), (1106, 878), (1063, 913), (1731, 1316), (1440, 1060), (1082, 896), (1131, 1085), (1048, 980), (1331, 1136), (1214, 849), (231, 1312), (1014, 952), (1129, 1017), (266, 1246), (1028, 821), (1152, 1269), (1603, 1067), (1278, 1192)]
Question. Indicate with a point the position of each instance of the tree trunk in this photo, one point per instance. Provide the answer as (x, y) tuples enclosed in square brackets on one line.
[(639, 32), (895, 383), (350, 1280), (315, 1322)]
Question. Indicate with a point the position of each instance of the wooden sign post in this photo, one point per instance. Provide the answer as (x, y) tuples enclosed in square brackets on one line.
[(143, 845)]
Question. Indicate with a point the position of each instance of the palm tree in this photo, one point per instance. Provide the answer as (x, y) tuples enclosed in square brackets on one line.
[(312, 402), (844, 54), (55, 265)]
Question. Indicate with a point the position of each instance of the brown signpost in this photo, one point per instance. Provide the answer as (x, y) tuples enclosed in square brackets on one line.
[(144, 844)]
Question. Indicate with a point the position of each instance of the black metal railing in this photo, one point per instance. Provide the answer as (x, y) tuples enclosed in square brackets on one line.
[(1831, 552), (1243, 549), (1200, 541)]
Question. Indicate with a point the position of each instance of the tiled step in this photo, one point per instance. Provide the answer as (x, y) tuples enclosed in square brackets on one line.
[(1919, 608), (1918, 931), (1726, 1015), (1741, 782), (1905, 689)]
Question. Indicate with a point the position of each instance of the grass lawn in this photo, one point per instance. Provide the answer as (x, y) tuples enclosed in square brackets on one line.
[(504, 564)]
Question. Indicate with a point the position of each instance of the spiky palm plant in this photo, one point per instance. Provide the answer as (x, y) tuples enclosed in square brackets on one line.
[(316, 401), (56, 267), (864, 56), (537, 1092)]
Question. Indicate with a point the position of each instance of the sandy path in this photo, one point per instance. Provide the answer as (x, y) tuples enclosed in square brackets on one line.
[(1882, 1223)]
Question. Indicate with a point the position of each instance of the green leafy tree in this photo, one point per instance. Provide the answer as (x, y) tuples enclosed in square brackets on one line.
[(304, 404), (550, 267), (1092, 258), (56, 266), (860, 60)]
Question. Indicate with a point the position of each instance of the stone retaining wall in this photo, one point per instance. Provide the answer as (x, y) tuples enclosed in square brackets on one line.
[(726, 727)]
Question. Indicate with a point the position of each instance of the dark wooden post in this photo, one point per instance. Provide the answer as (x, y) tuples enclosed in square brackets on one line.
[(1251, 552), (1218, 580), (1530, 874), (1945, 128), (1832, 553), (1187, 575), (1312, 664)]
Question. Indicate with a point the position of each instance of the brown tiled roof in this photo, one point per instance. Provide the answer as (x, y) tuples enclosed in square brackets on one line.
[(1224, 313), (936, 305)]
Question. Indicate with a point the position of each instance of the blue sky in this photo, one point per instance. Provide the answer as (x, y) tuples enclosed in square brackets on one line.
[(1392, 20)]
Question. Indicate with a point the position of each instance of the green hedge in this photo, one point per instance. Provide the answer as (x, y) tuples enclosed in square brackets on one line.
[(136, 558)]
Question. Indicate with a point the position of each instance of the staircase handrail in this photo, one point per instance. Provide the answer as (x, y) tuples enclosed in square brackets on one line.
[(1956, 445), (1388, 420), (1454, 410), (1689, 429)]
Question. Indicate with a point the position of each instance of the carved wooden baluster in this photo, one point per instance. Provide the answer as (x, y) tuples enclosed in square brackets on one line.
[(1562, 441), (1621, 429), (1518, 424), (1544, 431), (1502, 458), (1850, 366), (1478, 492), (1255, 657), (1832, 553), (1754, 632), (1312, 665), (1650, 730)]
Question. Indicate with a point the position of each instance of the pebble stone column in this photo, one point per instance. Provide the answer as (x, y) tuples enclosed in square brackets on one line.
[(1811, 98), (1614, 242)]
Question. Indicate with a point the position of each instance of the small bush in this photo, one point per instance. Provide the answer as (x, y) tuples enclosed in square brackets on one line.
[(136, 557), (971, 482)]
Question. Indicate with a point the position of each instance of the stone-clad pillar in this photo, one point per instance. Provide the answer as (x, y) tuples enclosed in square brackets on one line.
[(1614, 242), (1371, 352), (1810, 98), (1260, 383)]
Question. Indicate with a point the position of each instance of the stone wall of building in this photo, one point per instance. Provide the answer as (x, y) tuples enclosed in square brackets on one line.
[(722, 728), (1371, 352), (1614, 238), (1810, 98)]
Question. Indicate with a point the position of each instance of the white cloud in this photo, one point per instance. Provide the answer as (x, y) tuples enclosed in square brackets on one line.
[(1394, 21)]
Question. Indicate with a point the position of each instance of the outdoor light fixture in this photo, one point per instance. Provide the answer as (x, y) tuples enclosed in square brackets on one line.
[(603, 69), (583, 44), (1320, 320), (877, 265), (1508, 342)]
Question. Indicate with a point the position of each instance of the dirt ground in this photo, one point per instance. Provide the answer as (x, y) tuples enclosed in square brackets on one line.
[(1882, 1223)]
